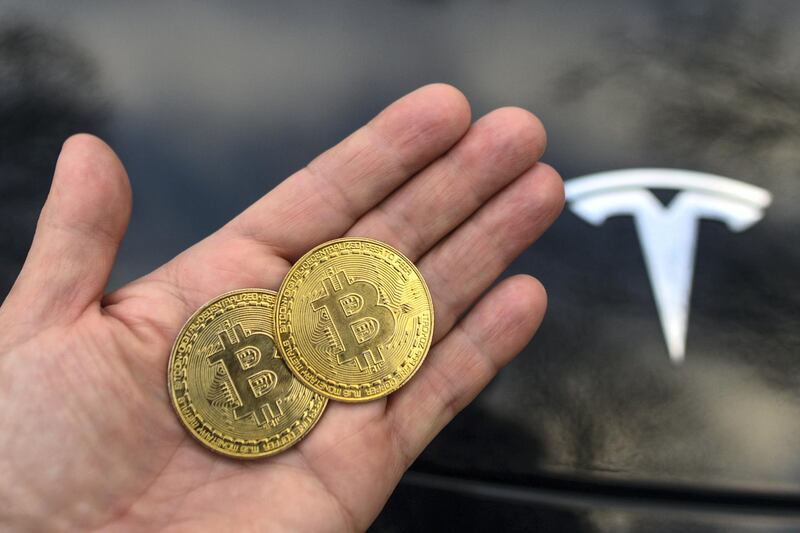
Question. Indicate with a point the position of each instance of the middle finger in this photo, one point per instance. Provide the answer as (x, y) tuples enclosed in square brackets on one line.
[(495, 150)]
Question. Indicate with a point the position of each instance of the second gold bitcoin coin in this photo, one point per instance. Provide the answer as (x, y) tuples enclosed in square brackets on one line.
[(229, 385), (354, 319)]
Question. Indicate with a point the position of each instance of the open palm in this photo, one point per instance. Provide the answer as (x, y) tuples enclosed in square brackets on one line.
[(88, 438)]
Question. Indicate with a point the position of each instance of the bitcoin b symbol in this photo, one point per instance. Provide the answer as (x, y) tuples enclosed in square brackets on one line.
[(260, 379), (358, 319)]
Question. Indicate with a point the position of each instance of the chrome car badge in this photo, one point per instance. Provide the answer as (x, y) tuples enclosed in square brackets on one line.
[(668, 234)]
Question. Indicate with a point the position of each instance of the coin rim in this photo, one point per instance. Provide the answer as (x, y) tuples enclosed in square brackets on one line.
[(173, 400), (297, 374)]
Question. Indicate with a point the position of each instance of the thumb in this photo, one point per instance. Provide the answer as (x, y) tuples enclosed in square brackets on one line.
[(77, 236)]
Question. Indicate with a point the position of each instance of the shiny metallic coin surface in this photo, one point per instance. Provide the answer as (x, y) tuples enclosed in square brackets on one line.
[(354, 319), (229, 385)]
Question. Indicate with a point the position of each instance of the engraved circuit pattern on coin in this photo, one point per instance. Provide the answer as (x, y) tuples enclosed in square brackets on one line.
[(229, 385), (354, 319)]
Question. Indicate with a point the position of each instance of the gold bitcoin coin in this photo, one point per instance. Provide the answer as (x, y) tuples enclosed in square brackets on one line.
[(229, 385), (354, 319)]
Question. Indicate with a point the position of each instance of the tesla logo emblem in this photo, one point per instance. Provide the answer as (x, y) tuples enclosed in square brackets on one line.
[(668, 234)]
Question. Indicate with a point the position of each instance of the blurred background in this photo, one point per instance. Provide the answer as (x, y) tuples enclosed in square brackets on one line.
[(593, 427)]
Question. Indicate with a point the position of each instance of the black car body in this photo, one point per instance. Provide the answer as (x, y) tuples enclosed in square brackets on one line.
[(662, 392)]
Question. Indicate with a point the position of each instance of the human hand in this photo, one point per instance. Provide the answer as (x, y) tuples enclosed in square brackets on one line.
[(88, 438)]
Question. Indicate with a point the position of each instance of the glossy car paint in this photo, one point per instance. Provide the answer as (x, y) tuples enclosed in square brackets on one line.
[(594, 426)]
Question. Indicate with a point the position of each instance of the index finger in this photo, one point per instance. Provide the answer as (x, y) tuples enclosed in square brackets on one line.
[(324, 199)]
